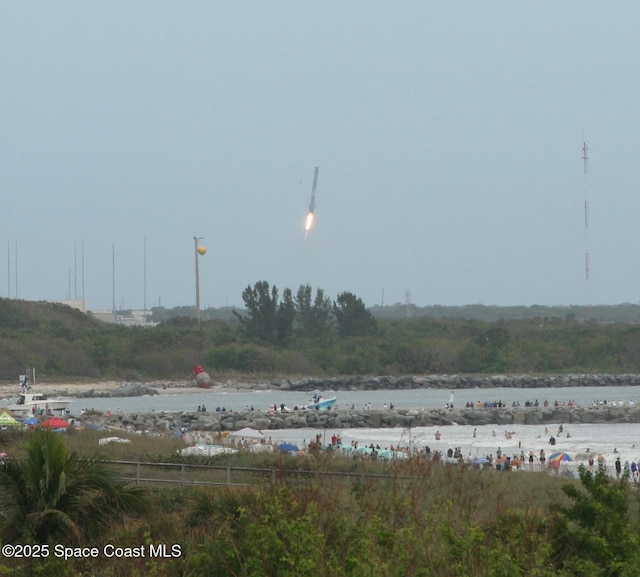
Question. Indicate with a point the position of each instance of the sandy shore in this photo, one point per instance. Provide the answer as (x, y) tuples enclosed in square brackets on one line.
[(12, 389), (83, 389)]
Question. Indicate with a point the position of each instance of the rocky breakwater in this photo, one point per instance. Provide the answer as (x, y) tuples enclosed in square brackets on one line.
[(166, 422), (124, 390), (371, 383), (374, 383)]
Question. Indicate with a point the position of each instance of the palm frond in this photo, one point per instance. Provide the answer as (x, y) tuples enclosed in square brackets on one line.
[(56, 495)]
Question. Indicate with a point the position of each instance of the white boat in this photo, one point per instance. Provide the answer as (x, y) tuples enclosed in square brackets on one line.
[(30, 402), (319, 402)]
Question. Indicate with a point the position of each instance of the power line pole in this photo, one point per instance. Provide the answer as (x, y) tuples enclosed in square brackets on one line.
[(587, 265)]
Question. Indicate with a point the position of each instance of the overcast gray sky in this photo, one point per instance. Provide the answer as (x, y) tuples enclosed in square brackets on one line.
[(448, 136)]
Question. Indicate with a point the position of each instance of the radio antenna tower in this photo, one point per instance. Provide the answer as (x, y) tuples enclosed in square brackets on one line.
[(587, 271), (407, 302)]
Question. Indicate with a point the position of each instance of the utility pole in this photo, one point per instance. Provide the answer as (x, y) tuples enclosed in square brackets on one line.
[(199, 251), (587, 264)]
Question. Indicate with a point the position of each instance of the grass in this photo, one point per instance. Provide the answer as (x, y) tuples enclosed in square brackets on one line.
[(463, 490), (145, 448)]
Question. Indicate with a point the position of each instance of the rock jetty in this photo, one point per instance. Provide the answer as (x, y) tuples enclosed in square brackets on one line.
[(124, 390), (388, 418), (378, 383), (166, 422), (455, 382)]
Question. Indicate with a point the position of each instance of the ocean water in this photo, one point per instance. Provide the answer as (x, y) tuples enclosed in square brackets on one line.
[(579, 441), (260, 399)]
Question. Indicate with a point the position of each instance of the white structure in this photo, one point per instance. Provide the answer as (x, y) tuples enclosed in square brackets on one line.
[(134, 319)]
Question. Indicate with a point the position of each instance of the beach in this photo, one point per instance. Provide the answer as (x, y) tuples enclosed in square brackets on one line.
[(96, 388)]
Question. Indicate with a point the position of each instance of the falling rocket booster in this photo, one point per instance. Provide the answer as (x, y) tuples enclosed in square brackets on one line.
[(312, 202)]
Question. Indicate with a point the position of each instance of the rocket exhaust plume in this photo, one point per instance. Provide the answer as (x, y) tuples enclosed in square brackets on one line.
[(312, 203), (308, 222)]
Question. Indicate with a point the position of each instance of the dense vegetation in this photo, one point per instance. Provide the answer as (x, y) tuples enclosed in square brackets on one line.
[(408, 518), (54, 495), (307, 334)]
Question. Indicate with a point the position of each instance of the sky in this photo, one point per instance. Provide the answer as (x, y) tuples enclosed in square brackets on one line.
[(448, 137)]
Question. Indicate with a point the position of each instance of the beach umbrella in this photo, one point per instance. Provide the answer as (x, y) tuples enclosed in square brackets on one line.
[(248, 433), (560, 458), (30, 421), (55, 423), (288, 447)]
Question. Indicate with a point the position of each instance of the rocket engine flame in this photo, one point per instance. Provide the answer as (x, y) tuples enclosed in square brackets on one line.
[(309, 222), (312, 203)]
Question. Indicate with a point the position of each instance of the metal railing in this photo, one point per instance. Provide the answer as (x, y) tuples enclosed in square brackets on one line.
[(143, 473)]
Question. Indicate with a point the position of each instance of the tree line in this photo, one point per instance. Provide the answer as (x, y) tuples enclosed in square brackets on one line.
[(282, 334), (275, 321)]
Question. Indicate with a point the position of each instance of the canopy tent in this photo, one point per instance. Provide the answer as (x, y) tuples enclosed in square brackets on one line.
[(247, 433), (6, 420), (55, 423)]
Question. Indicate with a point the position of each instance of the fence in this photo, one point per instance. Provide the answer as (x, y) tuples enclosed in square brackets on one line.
[(184, 475)]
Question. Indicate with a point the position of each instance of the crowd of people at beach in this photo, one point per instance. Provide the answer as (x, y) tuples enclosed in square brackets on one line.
[(538, 460), (499, 404), (502, 459), (620, 403), (495, 404), (519, 459)]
